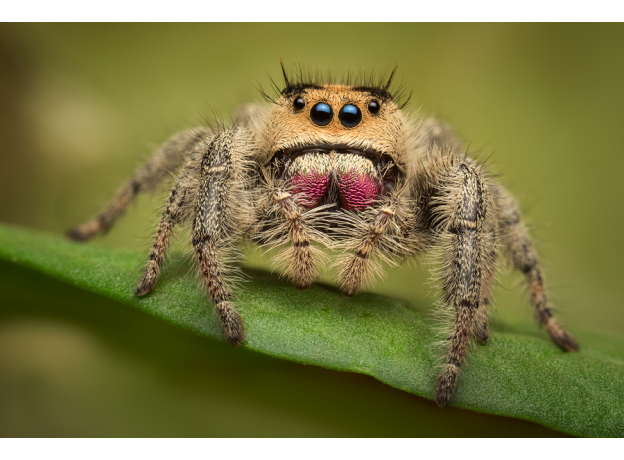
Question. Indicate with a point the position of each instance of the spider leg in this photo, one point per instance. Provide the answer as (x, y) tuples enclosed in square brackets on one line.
[(172, 215), (481, 326), (436, 132), (146, 178), (461, 216), (524, 258), (356, 268), (300, 263), (219, 217)]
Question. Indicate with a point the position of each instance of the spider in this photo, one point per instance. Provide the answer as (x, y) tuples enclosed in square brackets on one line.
[(344, 167)]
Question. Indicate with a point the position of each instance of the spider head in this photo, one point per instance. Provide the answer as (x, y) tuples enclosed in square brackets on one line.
[(345, 135), (363, 119)]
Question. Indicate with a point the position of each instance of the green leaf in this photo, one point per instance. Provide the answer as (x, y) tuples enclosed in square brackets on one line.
[(515, 375)]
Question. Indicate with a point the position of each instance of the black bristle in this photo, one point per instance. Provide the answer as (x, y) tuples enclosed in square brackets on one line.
[(299, 79), (286, 81)]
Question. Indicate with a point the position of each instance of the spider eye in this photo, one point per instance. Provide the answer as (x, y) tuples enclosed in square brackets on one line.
[(373, 107), (321, 114), (299, 103), (350, 115)]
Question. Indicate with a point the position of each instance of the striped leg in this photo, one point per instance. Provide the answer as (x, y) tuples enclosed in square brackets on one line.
[(299, 260), (463, 208), (219, 213), (171, 217), (481, 326), (356, 269), (166, 159), (524, 258)]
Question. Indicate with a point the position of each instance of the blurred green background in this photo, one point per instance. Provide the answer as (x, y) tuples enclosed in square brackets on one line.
[(82, 104)]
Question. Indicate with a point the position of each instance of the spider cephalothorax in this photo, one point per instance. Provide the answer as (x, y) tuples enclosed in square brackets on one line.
[(335, 138), (340, 166)]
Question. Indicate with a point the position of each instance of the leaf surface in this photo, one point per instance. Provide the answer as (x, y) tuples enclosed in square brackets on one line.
[(515, 375)]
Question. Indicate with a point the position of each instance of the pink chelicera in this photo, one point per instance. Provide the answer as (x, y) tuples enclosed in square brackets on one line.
[(312, 187), (357, 191)]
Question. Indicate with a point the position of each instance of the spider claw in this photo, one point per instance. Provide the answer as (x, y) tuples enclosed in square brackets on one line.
[(143, 288), (349, 291), (446, 384), (302, 287), (148, 280), (567, 343), (74, 235), (560, 336), (232, 324), (83, 232)]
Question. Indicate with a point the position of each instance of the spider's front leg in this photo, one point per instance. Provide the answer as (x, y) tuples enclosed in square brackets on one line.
[(356, 266), (300, 260), (463, 214), (222, 212)]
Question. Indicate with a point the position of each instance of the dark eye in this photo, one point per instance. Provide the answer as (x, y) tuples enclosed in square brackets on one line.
[(321, 114), (373, 107), (350, 115), (299, 103)]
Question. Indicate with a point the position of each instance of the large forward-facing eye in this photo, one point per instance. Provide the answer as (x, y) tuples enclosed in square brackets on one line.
[(350, 115), (321, 114)]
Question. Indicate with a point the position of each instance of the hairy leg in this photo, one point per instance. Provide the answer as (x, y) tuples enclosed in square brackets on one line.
[(438, 133), (524, 258), (220, 216), (299, 260), (481, 326), (356, 268), (166, 159), (172, 215), (461, 208)]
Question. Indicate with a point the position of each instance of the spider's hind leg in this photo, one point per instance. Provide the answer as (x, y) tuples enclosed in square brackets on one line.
[(146, 178), (438, 133), (173, 214), (524, 258)]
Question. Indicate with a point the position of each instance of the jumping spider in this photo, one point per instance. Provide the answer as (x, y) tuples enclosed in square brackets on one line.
[(341, 166)]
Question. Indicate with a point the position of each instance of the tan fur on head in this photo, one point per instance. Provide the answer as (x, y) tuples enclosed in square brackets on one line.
[(286, 127)]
